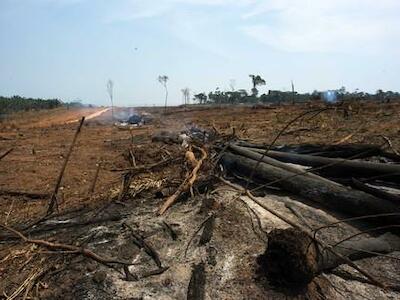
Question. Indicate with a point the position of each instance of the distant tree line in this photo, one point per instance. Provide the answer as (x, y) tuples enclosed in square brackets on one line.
[(17, 103), (278, 97)]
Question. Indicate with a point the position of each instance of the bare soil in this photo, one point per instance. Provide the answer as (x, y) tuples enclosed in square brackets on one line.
[(40, 141)]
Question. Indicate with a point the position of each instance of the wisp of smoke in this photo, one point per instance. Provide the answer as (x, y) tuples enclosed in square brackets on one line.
[(123, 115), (329, 96)]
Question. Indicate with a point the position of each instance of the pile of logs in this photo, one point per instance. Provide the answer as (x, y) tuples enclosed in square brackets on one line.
[(338, 180)]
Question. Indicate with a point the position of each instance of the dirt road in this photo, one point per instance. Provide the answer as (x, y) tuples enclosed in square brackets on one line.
[(92, 116)]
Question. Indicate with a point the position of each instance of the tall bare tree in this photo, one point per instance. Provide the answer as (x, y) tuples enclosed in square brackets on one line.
[(163, 80), (186, 95), (110, 90)]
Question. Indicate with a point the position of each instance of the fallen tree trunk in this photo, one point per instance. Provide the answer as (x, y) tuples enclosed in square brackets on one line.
[(292, 258), (339, 167), (376, 192), (271, 161), (336, 197), (333, 151)]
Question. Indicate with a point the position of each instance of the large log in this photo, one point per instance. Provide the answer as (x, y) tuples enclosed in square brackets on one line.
[(339, 167), (334, 151), (271, 161), (336, 197), (293, 259), (395, 198)]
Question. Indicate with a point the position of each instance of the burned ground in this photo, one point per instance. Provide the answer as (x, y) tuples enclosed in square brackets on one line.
[(102, 222)]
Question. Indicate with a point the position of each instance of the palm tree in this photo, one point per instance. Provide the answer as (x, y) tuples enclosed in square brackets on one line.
[(256, 80), (163, 80)]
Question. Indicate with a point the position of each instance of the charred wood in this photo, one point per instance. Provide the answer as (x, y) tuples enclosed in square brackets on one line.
[(338, 166), (197, 283), (31, 195), (376, 192), (293, 259), (335, 197), (207, 231)]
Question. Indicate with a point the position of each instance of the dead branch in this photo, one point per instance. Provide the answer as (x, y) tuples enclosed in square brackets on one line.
[(139, 169), (196, 232), (206, 235), (6, 153), (141, 243), (58, 246), (302, 129), (53, 200), (348, 137), (293, 209), (132, 159), (354, 219), (134, 277), (93, 185), (186, 184), (125, 184), (364, 232), (252, 212), (389, 142), (170, 230), (190, 158), (31, 195)]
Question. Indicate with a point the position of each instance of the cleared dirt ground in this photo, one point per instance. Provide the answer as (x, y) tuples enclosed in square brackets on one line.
[(41, 139)]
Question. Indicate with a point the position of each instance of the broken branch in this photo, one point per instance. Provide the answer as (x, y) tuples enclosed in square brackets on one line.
[(58, 246), (186, 184)]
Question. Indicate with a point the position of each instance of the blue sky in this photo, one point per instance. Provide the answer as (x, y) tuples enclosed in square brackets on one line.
[(68, 49)]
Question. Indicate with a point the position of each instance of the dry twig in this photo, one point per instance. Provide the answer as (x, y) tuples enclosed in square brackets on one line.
[(186, 184), (6, 153)]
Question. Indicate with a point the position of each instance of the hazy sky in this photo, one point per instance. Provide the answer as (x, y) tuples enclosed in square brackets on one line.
[(68, 49)]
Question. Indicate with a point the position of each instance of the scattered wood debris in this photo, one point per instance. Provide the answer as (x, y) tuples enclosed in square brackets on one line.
[(174, 224)]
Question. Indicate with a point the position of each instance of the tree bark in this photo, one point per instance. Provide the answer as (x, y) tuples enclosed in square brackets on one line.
[(271, 161), (376, 192), (339, 167)]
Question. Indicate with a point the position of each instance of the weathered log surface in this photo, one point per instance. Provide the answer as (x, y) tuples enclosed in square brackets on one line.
[(376, 192), (336, 197), (333, 151), (339, 166), (271, 161)]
